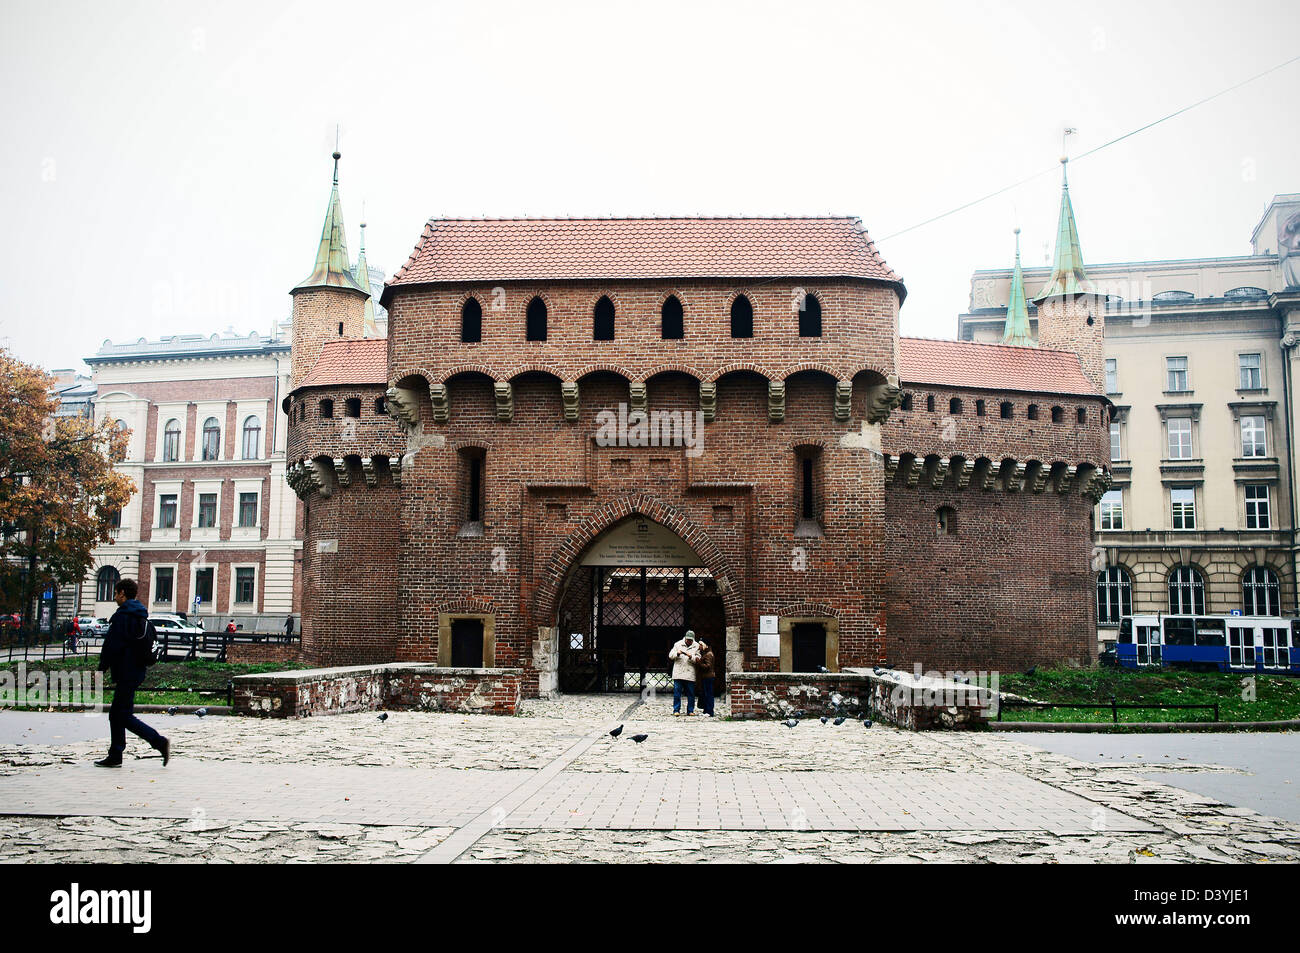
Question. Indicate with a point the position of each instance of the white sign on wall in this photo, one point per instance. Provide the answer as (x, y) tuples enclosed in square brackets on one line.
[(767, 625), (327, 545), (769, 645), (640, 542)]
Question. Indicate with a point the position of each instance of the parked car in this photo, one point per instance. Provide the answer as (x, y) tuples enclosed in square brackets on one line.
[(87, 625), (174, 627)]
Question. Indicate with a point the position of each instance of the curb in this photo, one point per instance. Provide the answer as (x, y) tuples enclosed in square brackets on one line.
[(1144, 727)]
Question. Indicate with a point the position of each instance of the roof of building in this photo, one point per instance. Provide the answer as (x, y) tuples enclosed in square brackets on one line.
[(349, 361), (990, 366), (1016, 330), (561, 249), (188, 346), (333, 268), (1068, 276)]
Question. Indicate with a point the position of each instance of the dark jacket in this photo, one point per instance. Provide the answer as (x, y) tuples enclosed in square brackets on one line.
[(704, 666), (118, 656)]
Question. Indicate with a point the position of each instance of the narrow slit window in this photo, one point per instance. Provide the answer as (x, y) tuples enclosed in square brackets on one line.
[(742, 318), (810, 317), (471, 321), (672, 324), (602, 321), (535, 320)]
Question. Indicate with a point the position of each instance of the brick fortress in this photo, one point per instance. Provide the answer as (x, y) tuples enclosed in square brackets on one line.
[(582, 436)]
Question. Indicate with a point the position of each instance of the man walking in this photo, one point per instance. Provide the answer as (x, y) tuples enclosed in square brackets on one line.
[(288, 629), (683, 655), (121, 658), (704, 678)]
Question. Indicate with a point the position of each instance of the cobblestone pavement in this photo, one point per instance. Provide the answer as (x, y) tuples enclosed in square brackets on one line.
[(550, 786)]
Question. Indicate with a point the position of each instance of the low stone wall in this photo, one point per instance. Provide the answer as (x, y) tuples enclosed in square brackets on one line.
[(896, 698), (411, 685), (261, 653)]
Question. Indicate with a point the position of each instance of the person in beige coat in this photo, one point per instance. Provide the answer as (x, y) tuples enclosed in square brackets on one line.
[(684, 653)]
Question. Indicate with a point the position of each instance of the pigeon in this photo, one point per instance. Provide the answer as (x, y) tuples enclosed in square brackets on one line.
[(824, 719), (790, 723), (823, 669), (800, 713), (1033, 669), (839, 721), (383, 716), (878, 670), (615, 732), (201, 712), (639, 738), (866, 722), (173, 710)]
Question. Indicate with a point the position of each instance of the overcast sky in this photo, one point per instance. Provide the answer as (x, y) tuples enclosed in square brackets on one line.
[(164, 167)]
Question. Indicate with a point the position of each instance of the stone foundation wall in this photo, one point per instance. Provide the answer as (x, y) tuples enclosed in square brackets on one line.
[(334, 691), (893, 697), (263, 653)]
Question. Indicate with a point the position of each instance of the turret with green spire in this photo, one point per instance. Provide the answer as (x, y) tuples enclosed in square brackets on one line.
[(332, 268), (362, 274), (1068, 276), (1017, 327)]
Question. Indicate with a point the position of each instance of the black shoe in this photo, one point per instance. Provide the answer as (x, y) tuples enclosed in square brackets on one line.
[(165, 748), (112, 761)]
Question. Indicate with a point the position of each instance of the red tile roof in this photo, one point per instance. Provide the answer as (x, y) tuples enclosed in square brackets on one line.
[(349, 361), (990, 366), (558, 249)]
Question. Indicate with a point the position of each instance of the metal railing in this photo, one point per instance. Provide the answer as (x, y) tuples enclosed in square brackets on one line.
[(1114, 707)]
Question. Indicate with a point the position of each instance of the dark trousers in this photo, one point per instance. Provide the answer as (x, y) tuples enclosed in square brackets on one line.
[(681, 685), (121, 717), (706, 695)]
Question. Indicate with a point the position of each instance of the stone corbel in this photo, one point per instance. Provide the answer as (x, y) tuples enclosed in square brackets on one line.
[(883, 398), (636, 397), (1097, 486), (368, 471), (843, 399), (941, 467), (1040, 478), (891, 467), (505, 400), (319, 478), (1016, 478), (441, 403), (1066, 479), (776, 400), (569, 395), (342, 472), (964, 473), (912, 473), (401, 405), (395, 469), (708, 400), (990, 477)]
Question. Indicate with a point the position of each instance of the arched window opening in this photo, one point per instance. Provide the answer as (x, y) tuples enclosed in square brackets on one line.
[(979, 408), (954, 406), (602, 322), (1186, 591), (471, 321), (810, 317), (535, 320), (907, 402), (1005, 410), (327, 408), (105, 584), (929, 402), (172, 441), (1082, 415), (352, 407), (380, 407), (1261, 593), (946, 521), (742, 318), (671, 321), (252, 448), (211, 439), (1114, 595), (1032, 411), (1058, 415)]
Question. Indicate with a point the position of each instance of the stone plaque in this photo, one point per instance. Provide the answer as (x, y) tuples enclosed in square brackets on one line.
[(327, 545), (640, 542), (769, 645)]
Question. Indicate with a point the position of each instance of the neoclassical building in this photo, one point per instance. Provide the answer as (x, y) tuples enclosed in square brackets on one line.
[(582, 436)]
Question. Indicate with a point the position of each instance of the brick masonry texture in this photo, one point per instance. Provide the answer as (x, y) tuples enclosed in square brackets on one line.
[(861, 695), (261, 653), (332, 691), (389, 554)]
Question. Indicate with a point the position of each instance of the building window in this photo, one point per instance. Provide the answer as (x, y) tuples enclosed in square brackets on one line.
[(979, 408), (602, 321), (1112, 509), (1180, 438), (929, 402), (203, 579), (1257, 506), (1182, 501), (472, 469), (1031, 412), (907, 402), (252, 438), (535, 320), (163, 577), (1116, 451), (248, 509), (1114, 596), (671, 321), (471, 321), (810, 317), (352, 407), (327, 408), (1186, 592), (1112, 376), (1253, 442), (380, 408), (742, 318), (167, 511), (105, 583), (808, 477), (115, 519), (954, 405), (211, 439), (1261, 593), (1252, 377), (946, 521), (1005, 410), (244, 584), (1058, 415), (1176, 373), (207, 510), (172, 441), (1081, 415)]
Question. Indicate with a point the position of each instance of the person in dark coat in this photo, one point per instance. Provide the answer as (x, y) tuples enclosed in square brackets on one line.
[(120, 658), (704, 674), (288, 629)]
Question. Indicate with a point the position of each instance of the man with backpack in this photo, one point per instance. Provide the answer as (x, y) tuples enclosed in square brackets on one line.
[(126, 655)]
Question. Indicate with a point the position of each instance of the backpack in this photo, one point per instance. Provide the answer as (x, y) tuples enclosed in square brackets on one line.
[(145, 646)]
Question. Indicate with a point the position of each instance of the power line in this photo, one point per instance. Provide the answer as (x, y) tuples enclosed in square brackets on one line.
[(1084, 155)]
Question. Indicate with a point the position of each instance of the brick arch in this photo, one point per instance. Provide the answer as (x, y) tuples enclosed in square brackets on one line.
[(546, 602), (742, 366), (475, 604), (671, 369), (459, 369), (588, 369), (857, 369), (809, 366), (532, 368), (808, 609), (429, 377)]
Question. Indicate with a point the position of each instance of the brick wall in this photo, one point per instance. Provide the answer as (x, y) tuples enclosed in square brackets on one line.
[(263, 653), (371, 434), (317, 316), (899, 700)]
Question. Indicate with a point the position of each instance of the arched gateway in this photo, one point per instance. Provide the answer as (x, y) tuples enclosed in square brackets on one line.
[(628, 597)]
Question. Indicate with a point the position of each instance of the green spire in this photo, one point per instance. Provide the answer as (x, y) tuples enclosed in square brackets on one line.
[(1068, 276), (362, 274), (1017, 327), (332, 260)]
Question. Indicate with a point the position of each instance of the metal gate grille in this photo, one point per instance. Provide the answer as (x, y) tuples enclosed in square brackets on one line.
[(618, 624)]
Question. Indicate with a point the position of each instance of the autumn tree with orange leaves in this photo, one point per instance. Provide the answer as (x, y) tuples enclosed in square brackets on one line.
[(58, 489)]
